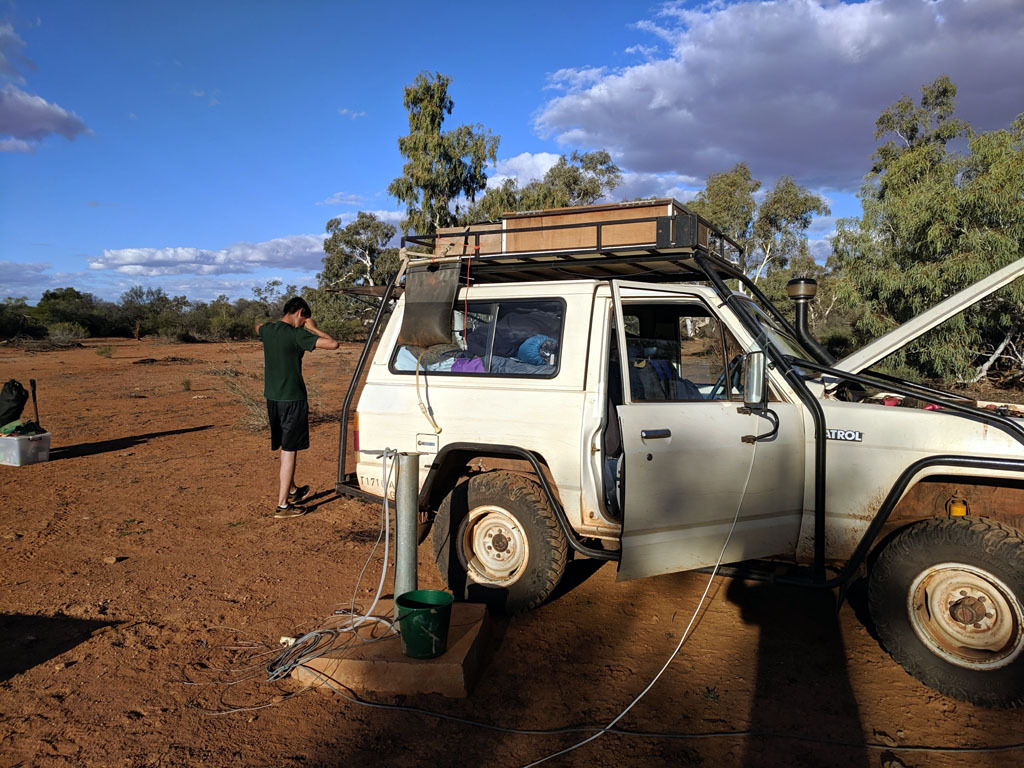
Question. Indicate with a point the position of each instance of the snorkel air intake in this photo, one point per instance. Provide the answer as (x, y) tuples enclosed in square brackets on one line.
[(802, 291)]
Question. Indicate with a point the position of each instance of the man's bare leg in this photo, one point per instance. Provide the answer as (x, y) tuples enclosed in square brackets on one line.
[(287, 476)]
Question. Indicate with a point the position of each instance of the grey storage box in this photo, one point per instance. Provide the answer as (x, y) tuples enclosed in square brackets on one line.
[(18, 450)]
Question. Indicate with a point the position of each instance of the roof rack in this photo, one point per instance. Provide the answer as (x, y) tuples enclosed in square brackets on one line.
[(648, 240)]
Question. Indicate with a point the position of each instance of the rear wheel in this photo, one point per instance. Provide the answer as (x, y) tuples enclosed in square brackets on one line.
[(947, 599), (496, 540)]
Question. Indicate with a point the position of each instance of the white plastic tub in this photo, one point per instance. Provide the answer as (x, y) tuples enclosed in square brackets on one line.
[(18, 450)]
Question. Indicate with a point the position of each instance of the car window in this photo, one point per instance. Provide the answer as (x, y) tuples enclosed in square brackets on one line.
[(679, 353), (517, 337)]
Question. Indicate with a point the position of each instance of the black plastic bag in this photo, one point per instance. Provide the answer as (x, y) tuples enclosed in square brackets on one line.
[(12, 401)]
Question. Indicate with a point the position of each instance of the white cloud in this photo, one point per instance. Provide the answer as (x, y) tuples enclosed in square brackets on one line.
[(574, 79), (26, 119), (788, 86), (646, 51), (301, 252), (19, 276), (390, 217), (33, 279), (16, 145), (635, 185), (524, 167), (11, 54), (31, 118), (351, 113), (195, 288), (342, 198)]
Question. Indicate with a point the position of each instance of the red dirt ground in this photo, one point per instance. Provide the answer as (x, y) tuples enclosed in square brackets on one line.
[(144, 585)]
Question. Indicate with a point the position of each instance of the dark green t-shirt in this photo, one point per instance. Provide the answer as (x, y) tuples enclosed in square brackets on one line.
[(283, 347)]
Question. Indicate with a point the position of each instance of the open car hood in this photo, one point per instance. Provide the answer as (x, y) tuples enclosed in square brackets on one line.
[(899, 337)]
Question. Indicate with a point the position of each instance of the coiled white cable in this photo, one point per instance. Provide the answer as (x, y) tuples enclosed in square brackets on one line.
[(318, 642)]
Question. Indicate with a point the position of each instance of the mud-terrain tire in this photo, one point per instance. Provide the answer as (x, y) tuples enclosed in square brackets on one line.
[(947, 600), (496, 540)]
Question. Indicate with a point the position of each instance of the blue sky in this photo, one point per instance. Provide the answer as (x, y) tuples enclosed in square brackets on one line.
[(202, 147)]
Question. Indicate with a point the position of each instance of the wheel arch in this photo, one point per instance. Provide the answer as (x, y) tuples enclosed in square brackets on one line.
[(457, 461), (932, 495), (931, 492), (454, 462), (882, 526)]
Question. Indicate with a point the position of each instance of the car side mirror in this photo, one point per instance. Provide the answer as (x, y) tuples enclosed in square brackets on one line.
[(755, 373)]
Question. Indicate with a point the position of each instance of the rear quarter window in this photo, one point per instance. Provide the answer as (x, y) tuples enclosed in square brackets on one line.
[(508, 338)]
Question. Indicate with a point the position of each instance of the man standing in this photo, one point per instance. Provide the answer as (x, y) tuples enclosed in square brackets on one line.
[(285, 341)]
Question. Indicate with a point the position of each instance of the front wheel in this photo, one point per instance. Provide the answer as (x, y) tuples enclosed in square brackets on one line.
[(947, 599), (496, 540)]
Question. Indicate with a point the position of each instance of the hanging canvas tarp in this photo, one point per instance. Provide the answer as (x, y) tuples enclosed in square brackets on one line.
[(430, 291)]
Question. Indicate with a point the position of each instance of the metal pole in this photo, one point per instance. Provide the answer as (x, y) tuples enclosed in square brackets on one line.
[(407, 490)]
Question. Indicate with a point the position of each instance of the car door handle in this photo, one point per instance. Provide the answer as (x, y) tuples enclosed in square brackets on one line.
[(655, 434)]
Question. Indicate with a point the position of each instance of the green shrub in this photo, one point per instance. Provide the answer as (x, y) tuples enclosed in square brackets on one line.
[(66, 333), (16, 320), (105, 351), (223, 327)]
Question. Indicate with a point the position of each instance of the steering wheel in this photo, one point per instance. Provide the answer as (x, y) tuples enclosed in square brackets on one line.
[(733, 370)]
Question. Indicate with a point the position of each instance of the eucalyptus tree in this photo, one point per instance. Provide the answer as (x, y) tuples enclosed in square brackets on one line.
[(441, 166), (580, 179), (771, 231), (355, 254), (941, 209)]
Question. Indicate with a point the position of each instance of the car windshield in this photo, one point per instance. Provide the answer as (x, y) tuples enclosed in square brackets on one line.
[(778, 335)]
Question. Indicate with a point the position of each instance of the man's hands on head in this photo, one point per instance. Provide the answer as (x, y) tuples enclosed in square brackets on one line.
[(325, 341)]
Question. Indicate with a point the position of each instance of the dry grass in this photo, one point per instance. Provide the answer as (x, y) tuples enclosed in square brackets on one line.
[(246, 388), (254, 407)]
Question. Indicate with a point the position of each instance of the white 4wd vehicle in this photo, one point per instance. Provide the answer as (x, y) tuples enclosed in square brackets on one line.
[(601, 390)]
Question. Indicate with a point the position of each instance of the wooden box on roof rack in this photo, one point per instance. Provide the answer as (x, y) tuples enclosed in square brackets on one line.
[(642, 224), (474, 240)]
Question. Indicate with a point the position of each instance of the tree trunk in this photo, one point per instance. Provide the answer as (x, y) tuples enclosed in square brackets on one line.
[(982, 370)]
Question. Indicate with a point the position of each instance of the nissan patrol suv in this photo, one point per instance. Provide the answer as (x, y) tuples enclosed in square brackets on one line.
[(605, 382)]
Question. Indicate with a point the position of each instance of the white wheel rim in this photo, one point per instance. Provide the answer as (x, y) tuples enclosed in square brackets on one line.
[(966, 616), (492, 546)]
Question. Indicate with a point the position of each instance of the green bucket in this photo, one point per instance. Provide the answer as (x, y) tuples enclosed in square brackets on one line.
[(423, 617)]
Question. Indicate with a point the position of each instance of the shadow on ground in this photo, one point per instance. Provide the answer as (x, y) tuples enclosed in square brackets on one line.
[(790, 617), (318, 499), (117, 444), (26, 641)]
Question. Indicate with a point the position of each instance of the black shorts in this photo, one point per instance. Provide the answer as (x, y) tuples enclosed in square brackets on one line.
[(289, 424)]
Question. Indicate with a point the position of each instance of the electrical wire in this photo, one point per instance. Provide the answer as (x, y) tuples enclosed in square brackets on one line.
[(686, 632), (317, 642), (337, 688), (294, 657), (392, 454)]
